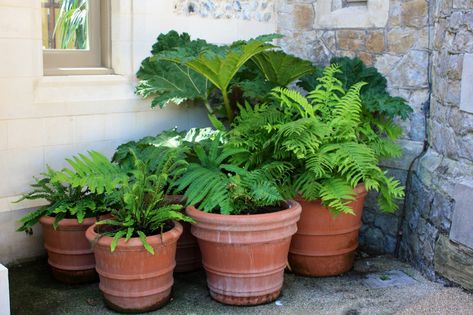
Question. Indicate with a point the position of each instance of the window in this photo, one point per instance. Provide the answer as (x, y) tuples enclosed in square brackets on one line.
[(76, 36), (351, 3), (351, 13)]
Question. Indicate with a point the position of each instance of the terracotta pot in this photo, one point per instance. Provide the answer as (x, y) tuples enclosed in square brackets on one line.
[(69, 254), (324, 244), (245, 255), (132, 279), (188, 257)]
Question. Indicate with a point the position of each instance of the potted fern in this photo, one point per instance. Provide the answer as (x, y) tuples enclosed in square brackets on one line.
[(242, 223), (135, 248), (68, 213), (151, 150), (335, 152)]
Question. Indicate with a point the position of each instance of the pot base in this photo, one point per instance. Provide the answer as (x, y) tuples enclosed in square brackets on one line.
[(245, 300), (74, 276), (321, 266), (148, 308)]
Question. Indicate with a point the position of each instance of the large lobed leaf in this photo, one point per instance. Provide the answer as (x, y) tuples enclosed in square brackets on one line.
[(280, 68)]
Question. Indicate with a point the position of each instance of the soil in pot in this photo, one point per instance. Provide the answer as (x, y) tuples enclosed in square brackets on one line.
[(69, 254), (244, 256), (132, 279), (188, 257), (324, 244)]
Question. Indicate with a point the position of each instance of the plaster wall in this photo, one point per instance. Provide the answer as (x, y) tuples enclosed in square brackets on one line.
[(44, 119)]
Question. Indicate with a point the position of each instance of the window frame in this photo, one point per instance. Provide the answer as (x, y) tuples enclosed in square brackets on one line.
[(96, 59)]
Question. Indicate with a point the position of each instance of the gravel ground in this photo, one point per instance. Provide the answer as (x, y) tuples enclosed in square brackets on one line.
[(443, 301), (33, 291)]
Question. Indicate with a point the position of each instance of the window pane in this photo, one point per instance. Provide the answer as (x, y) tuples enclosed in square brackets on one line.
[(65, 24)]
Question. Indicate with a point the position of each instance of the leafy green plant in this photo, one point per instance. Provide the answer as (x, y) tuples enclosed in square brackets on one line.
[(72, 24), (214, 184), (181, 69), (323, 135), (63, 201), (135, 196), (374, 95)]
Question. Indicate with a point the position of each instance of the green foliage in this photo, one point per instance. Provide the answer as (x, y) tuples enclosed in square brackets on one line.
[(181, 69), (135, 196), (220, 66), (172, 81), (63, 200), (151, 150), (324, 137), (214, 184), (280, 68), (374, 96), (71, 24)]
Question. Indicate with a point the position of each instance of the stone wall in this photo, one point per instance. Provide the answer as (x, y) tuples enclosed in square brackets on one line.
[(398, 48), (257, 10), (438, 228)]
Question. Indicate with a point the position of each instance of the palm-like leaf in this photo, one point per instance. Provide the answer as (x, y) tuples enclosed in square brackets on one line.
[(72, 24), (281, 68)]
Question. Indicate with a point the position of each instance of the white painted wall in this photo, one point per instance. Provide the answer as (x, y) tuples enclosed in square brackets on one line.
[(4, 291), (45, 119)]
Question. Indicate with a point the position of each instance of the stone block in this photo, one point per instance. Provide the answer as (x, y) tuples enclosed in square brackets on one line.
[(466, 99), (454, 262), (375, 41), (4, 291), (400, 40), (351, 40), (303, 17), (463, 4), (412, 70), (391, 278), (414, 13), (366, 58), (462, 221)]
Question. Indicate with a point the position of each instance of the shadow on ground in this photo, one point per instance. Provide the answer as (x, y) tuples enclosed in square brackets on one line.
[(375, 286)]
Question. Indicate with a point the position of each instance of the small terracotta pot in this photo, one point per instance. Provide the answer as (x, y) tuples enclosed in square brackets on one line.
[(132, 279), (69, 254), (324, 244), (245, 255), (188, 257)]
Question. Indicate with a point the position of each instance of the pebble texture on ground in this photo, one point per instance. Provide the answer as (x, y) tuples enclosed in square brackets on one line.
[(33, 291)]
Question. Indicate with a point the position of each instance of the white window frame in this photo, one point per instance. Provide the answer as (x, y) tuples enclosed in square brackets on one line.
[(374, 14), (94, 60)]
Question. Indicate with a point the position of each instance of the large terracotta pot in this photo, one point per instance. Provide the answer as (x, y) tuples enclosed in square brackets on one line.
[(69, 254), (188, 256), (245, 255), (324, 244), (132, 279)]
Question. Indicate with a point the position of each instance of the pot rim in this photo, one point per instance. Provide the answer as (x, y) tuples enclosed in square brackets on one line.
[(48, 220), (153, 240), (359, 190), (259, 219)]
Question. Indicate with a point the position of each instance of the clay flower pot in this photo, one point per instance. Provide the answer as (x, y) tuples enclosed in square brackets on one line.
[(245, 255), (188, 256), (131, 279), (69, 254), (324, 244)]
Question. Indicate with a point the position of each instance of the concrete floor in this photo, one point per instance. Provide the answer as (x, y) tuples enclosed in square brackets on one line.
[(375, 286)]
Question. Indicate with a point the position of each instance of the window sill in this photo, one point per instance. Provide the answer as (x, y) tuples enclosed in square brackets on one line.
[(83, 88), (77, 71)]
